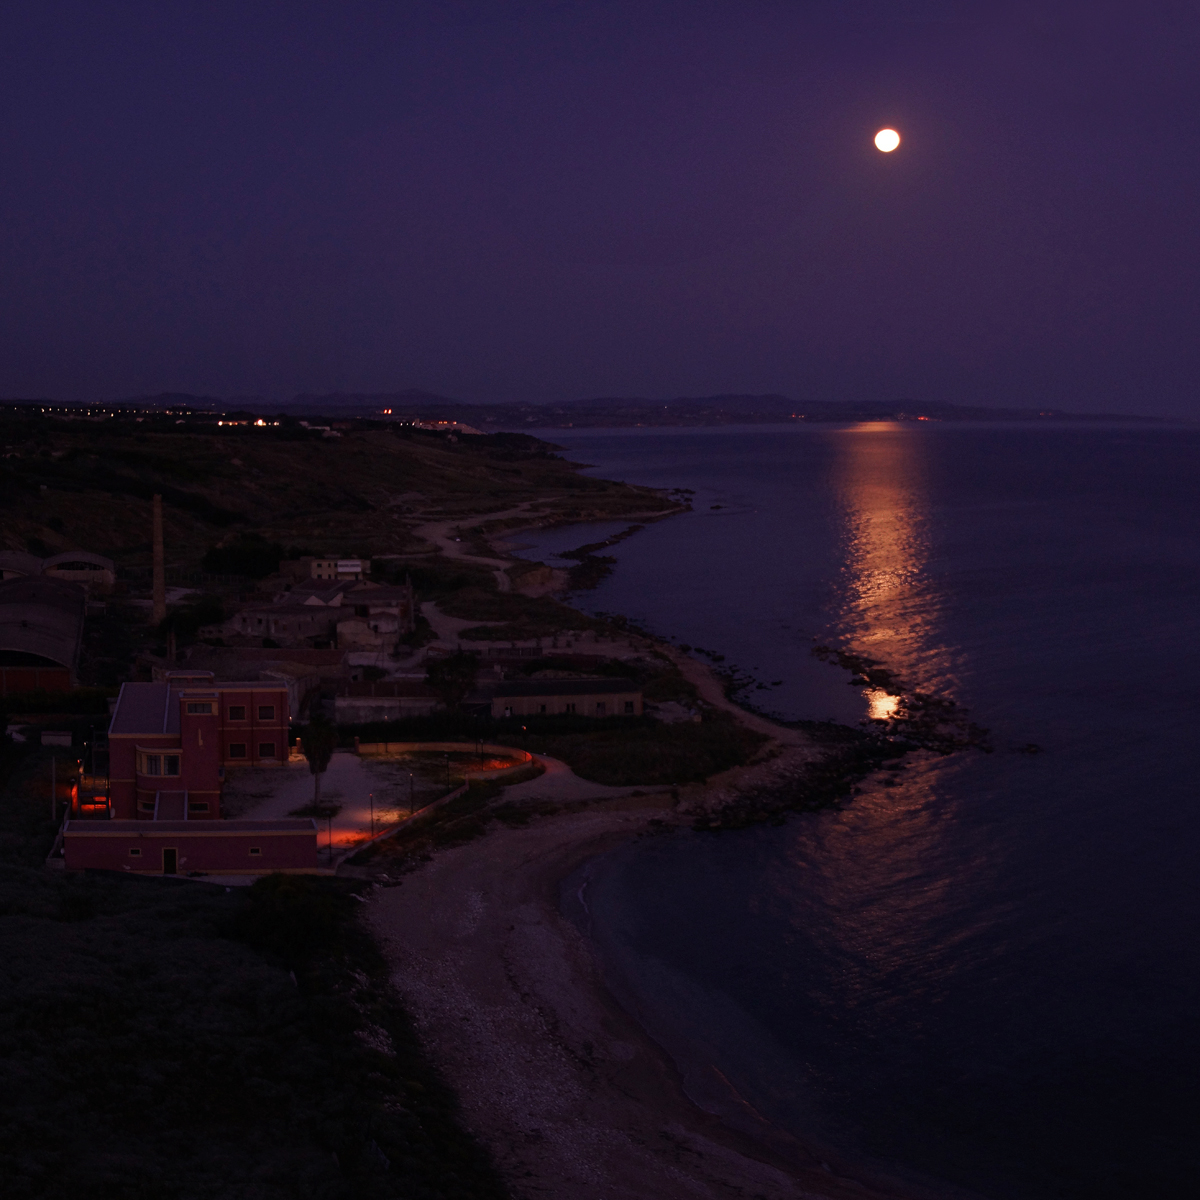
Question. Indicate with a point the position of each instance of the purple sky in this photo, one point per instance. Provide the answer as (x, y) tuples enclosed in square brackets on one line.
[(554, 200)]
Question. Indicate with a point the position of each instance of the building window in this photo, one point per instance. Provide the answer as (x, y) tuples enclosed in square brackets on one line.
[(569, 708), (237, 749), (600, 708), (266, 712), (266, 749), (541, 708), (237, 712), (197, 806), (629, 708), (160, 764), (255, 850), (145, 806), (135, 852), (199, 706)]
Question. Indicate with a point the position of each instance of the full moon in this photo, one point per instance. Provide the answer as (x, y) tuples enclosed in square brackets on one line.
[(887, 140)]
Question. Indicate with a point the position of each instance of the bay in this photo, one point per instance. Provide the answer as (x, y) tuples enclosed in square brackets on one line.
[(983, 977)]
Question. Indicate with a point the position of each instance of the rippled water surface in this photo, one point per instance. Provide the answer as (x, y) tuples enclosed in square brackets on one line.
[(987, 974)]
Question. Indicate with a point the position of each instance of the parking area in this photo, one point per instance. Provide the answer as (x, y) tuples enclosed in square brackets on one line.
[(363, 796)]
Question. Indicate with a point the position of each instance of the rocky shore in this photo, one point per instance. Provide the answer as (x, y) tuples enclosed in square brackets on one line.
[(570, 1095)]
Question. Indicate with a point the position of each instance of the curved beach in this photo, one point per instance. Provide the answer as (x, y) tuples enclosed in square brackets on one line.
[(559, 1082)]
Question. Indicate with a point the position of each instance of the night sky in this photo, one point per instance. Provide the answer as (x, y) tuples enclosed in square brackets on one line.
[(546, 201)]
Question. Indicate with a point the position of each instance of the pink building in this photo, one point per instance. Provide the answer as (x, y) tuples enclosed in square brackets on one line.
[(170, 745), (171, 742), (192, 847)]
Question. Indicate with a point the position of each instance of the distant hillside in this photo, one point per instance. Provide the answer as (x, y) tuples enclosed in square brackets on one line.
[(617, 412), (597, 412), (367, 402)]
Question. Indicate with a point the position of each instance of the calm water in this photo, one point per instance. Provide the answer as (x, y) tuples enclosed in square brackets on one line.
[(986, 976)]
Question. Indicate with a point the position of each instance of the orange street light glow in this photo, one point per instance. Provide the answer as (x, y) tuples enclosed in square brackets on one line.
[(887, 140)]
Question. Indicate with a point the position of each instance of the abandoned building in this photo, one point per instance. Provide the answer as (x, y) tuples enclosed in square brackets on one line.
[(567, 697), (41, 629)]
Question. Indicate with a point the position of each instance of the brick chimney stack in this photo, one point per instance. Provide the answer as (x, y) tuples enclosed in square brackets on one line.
[(160, 573)]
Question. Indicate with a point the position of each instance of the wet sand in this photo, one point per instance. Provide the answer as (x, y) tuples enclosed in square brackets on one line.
[(554, 1076)]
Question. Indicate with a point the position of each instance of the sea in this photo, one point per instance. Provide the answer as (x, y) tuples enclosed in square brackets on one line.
[(979, 977)]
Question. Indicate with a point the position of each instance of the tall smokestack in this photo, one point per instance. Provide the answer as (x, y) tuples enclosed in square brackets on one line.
[(160, 573)]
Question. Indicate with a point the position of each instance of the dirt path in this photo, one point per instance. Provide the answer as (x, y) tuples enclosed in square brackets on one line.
[(561, 785), (438, 532)]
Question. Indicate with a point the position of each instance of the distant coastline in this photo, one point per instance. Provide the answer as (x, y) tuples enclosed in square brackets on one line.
[(414, 406)]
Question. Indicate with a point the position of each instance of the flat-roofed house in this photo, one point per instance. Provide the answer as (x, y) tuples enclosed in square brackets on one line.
[(567, 697), (374, 617), (384, 700), (288, 624), (171, 742), (337, 569), (169, 746), (192, 847)]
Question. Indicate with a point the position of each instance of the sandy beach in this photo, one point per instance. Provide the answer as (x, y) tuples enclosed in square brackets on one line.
[(570, 1095)]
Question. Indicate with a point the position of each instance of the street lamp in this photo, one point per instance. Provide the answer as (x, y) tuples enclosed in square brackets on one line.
[(372, 814)]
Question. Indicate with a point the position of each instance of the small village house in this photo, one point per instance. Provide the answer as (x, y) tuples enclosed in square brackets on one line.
[(171, 742), (567, 697), (170, 746)]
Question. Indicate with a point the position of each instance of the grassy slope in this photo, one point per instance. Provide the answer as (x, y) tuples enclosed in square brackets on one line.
[(358, 494), (153, 1043)]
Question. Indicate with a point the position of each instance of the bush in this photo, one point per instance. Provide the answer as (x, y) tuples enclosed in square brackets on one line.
[(250, 554), (204, 1041)]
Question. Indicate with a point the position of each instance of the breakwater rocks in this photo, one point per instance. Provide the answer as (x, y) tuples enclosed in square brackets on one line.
[(591, 569), (801, 783), (844, 756), (919, 718)]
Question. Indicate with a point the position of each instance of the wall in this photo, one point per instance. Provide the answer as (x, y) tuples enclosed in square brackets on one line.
[(223, 848), (33, 679)]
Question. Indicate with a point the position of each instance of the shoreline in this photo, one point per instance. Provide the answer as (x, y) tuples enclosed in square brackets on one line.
[(563, 1085)]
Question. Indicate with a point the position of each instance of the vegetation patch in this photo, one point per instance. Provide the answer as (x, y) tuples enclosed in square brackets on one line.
[(644, 751), (161, 1038), (453, 823)]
